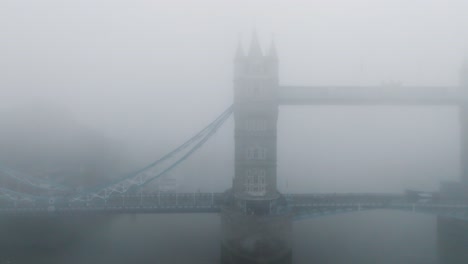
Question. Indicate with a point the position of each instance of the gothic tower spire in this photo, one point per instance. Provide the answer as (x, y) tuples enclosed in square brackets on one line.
[(255, 51)]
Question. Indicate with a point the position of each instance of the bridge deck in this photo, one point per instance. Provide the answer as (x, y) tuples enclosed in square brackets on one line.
[(302, 206)]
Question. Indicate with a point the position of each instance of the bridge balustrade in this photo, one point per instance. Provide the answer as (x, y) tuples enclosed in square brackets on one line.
[(301, 205)]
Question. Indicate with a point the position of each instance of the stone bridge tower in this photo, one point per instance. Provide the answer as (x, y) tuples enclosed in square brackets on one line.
[(256, 114), (459, 189), (463, 117), (256, 225)]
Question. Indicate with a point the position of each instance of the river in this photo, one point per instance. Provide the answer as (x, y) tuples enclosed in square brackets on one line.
[(361, 237)]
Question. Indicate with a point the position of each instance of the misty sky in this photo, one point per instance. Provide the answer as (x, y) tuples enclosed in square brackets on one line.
[(152, 73)]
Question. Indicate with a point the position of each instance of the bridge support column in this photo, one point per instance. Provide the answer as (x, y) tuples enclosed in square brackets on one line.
[(451, 240), (459, 190), (463, 119), (256, 226), (252, 239)]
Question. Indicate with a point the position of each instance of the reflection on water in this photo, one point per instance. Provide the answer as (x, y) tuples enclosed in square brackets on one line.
[(452, 241), (364, 237), (367, 237)]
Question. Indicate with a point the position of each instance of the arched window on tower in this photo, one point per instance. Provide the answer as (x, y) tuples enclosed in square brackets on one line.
[(255, 124), (255, 181), (256, 153)]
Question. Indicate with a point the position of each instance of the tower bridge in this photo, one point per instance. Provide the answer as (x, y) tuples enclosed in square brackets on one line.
[(252, 211)]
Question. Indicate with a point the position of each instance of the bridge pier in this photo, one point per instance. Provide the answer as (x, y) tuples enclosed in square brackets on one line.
[(458, 190), (452, 233), (452, 240), (256, 225), (253, 239), (463, 120)]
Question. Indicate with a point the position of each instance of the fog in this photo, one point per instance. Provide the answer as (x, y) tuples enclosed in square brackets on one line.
[(95, 90), (144, 76)]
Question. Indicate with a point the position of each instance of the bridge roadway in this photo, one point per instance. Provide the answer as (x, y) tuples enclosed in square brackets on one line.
[(302, 206)]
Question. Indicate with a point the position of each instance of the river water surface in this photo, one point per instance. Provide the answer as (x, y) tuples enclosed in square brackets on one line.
[(361, 237)]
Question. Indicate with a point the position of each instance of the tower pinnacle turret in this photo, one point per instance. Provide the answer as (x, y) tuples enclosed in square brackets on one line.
[(255, 51)]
